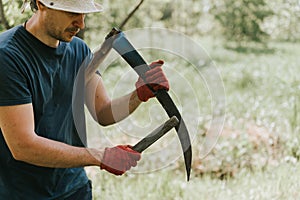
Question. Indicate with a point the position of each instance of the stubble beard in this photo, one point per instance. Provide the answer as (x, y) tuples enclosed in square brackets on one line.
[(65, 35)]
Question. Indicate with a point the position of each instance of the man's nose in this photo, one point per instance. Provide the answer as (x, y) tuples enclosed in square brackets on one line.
[(79, 21)]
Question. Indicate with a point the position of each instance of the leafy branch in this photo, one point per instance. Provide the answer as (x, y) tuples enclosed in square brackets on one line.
[(130, 15), (3, 19)]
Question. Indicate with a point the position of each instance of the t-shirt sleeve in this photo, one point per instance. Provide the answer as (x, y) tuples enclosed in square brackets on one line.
[(14, 88)]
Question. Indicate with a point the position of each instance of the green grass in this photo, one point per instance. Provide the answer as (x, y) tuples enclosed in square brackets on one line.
[(262, 88), (279, 183)]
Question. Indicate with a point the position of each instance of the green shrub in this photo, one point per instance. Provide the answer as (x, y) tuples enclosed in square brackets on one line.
[(241, 19)]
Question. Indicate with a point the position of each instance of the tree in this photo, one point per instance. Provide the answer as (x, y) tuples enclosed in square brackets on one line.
[(285, 24), (241, 19), (10, 14), (3, 20)]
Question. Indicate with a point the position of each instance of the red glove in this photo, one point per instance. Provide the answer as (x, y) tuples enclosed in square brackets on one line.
[(119, 159), (156, 78)]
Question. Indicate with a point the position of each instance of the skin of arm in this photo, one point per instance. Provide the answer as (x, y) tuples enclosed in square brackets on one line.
[(104, 110), (17, 125)]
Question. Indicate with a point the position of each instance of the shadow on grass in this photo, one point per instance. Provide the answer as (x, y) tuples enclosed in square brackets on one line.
[(259, 49)]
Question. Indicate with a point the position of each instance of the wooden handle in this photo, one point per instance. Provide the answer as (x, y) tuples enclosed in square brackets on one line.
[(156, 134)]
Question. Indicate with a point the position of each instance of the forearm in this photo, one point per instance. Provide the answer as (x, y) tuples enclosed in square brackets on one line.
[(49, 153), (17, 126), (118, 109)]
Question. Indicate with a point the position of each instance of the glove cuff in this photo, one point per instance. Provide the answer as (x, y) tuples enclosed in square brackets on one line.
[(143, 92)]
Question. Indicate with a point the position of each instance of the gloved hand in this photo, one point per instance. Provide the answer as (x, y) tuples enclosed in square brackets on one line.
[(156, 78), (117, 160)]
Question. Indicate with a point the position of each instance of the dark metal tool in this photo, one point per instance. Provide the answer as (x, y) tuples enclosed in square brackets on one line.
[(135, 60), (156, 134)]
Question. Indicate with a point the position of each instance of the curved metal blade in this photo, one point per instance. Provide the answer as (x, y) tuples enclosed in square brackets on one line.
[(167, 103)]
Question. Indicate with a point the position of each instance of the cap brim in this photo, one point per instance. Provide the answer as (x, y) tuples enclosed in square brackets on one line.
[(88, 8)]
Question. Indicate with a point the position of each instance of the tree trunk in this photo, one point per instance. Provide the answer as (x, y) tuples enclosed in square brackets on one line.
[(3, 19)]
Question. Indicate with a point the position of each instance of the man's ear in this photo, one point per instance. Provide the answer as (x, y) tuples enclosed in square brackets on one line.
[(40, 5)]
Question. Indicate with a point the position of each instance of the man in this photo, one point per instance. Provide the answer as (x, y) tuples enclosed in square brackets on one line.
[(42, 155)]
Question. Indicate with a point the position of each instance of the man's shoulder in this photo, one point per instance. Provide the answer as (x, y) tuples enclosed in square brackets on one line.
[(8, 48), (7, 37), (9, 44)]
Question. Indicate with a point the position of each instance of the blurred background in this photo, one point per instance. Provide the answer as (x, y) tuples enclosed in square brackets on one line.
[(255, 45)]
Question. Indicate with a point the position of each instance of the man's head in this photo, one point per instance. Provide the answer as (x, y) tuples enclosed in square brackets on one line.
[(59, 20), (74, 6)]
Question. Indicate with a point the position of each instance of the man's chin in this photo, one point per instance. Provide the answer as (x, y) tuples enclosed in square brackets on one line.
[(67, 39)]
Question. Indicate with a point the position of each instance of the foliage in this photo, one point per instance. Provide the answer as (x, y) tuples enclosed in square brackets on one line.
[(181, 16), (262, 125), (12, 12), (241, 19), (237, 20), (285, 22), (252, 147)]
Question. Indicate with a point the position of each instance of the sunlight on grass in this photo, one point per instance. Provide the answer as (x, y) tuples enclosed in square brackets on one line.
[(257, 156), (281, 182)]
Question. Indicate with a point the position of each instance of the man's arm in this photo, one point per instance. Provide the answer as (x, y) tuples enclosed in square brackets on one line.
[(107, 111), (104, 110), (17, 125)]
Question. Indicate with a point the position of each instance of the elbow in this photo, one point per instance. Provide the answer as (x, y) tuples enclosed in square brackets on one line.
[(104, 122), (102, 114), (105, 117), (100, 119), (18, 155), (22, 152)]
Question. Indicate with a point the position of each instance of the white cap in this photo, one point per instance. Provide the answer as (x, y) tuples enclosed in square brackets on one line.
[(75, 6)]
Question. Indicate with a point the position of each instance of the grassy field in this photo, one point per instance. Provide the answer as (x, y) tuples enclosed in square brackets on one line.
[(281, 182), (257, 154)]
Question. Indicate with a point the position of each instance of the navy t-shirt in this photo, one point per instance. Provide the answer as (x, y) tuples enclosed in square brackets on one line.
[(32, 72)]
